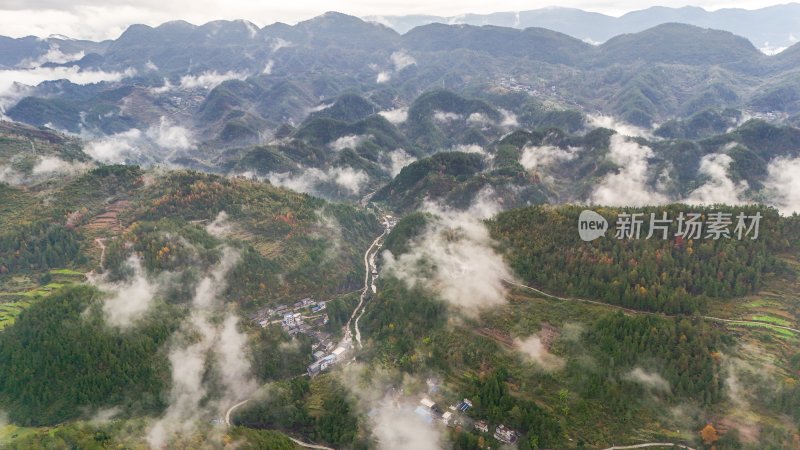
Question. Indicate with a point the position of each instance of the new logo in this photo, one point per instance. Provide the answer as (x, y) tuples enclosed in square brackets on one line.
[(591, 225)]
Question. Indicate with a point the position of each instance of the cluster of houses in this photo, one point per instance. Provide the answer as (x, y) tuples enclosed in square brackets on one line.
[(453, 417), (323, 361), (303, 317)]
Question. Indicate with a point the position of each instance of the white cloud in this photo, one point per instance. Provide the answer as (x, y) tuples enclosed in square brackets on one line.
[(310, 180), (169, 136), (509, 119), (53, 55), (115, 148), (11, 91), (131, 298), (395, 116), (209, 79), (469, 148), (536, 351), (444, 117), (534, 158), (783, 184), (720, 188), (349, 141), (455, 257), (157, 142), (268, 67), (220, 226), (629, 186), (626, 129), (650, 380), (278, 43), (201, 340), (383, 77), (478, 118), (401, 60), (398, 159), (398, 427)]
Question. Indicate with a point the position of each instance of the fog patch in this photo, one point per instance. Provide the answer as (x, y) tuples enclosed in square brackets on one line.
[(104, 416), (156, 142), (268, 67), (349, 141), (220, 226), (48, 165), (629, 185), (209, 79), (720, 188), (131, 298), (199, 341), (508, 119), (383, 77), (115, 148), (53, 55), (650, 380), (469, 148), (278, 43), (398, 159), (311, 179), (167, 135), (478, 118), (783, 184), (455, 257), (445, 117), (395, 116), (13, 82), (536, 351), (400, 60), (535, 158), (398, 427), (625, 129)]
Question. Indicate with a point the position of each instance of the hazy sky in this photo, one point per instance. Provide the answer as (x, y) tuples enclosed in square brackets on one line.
[(101, 19)]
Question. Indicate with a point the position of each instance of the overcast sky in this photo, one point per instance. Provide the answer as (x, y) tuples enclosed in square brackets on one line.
[(103, 19)]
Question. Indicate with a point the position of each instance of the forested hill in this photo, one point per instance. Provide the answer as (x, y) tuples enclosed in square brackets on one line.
[(673, 275)]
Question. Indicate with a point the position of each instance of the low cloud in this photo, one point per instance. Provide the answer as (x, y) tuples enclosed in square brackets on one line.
[(395, 116), (625, 129), (455, 257), (537, 158), (783, 184), (401, 60), (383, 77), (536, 351), (311, 180), (629, 186), (349, 141), (13, 82), (650, 380), (398, 427), (469, 148), (158, 142), (48, 165), (444, 117), (209, 79), (132, 298), (168, 135), (268, 67), (398, 159), (278, 43), (719, 188), (509, 119), (201, 340), (53, 55), (220, 226), (115, 148)]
